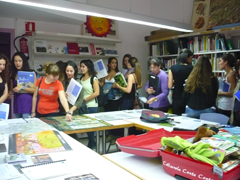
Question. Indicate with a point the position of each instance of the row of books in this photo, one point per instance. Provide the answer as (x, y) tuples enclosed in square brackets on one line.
[(43, 46), (204, 43)]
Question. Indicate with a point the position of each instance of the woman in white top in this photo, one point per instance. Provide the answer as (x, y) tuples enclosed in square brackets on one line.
[(114, 96), (225, 99), (90, 92)]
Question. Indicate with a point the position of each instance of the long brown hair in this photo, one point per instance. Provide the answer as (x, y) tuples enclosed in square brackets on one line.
[(5, 73), (200, 76), (137, 71)]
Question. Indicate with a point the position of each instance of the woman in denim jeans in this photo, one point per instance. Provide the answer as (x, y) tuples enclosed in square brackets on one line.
[(201, 89)]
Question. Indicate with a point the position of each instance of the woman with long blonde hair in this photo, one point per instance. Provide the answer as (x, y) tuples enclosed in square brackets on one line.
[(201, 89), (133, 80)]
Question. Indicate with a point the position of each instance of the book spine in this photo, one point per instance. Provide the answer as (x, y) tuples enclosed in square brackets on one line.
[(92, 49)]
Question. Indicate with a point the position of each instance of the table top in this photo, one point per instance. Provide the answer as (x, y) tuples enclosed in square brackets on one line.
[(143, 167), (82, 159)]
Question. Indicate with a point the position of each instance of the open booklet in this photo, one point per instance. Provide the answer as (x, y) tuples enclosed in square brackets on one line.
[(73, 91)]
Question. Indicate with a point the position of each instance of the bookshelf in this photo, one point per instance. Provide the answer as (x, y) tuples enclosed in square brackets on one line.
[(211, 43), (50, 47)]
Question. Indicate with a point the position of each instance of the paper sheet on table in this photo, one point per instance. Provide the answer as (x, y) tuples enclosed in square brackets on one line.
[(100, 68), (4, 111), (8, 171), (143, 99), (111, 117), (187, 125), (16, 121), (3, 124), (73, 90)]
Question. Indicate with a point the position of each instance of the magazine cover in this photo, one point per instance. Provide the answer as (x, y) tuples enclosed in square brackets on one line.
[(37, 143), (25, 79)]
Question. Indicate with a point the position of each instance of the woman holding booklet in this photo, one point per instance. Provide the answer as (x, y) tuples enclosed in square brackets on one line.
[(114, 95), (22, 103), (157, 87), (71, 71), (4, 77), (201, 89), (225, 99), (49, 89), (134, 81)]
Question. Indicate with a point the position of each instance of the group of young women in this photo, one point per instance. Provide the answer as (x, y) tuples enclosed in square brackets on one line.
[(195, 91)]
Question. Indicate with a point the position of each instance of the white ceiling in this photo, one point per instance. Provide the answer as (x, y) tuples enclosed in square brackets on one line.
[(11, 10)]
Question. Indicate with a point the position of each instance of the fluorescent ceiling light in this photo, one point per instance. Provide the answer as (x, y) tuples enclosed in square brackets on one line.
[(132, 18)]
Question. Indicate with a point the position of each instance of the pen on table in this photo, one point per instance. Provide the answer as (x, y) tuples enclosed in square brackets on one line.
[(25, 120)]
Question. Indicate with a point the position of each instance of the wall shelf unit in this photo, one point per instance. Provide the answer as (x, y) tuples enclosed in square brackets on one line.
[(50, 47), (211, 43)]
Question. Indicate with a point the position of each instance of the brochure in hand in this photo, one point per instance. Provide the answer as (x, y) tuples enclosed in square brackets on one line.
[(25, 79), (119, 78)]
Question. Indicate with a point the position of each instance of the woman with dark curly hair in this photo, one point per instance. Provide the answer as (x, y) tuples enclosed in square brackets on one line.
[(22, 103), (90, 92), (4, 77)]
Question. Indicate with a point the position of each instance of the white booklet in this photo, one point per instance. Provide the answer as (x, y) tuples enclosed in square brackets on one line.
[(73, 91), (4, 111), (100, 68)]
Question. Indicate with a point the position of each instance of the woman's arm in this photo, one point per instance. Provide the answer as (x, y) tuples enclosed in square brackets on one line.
[(5, 94), (129, 84), (102, 82), (27, 89), (34, 102), (64, 103), (232, 81), (95, 93), (170, 79)]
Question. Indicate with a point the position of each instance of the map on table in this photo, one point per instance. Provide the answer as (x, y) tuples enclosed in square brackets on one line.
[(78, 122), (37, 143)]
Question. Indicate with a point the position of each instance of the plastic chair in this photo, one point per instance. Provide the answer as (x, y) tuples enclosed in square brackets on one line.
[(215, 117)]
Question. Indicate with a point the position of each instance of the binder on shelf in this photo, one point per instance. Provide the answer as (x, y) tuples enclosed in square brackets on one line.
[(72, 48), (40, 46)]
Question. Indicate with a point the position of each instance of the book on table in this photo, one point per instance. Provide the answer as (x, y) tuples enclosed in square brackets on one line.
[(35, 143), (47, 170), (15, 158), (25, 79), (229, 136), (217, 142)]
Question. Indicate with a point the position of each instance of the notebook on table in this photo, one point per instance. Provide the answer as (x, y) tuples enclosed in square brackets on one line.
[(47, 170)]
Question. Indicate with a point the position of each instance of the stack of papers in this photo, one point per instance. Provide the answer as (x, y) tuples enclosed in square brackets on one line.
[(8, 171)]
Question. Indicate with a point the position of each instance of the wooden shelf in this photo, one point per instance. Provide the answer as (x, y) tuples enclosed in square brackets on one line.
[(158, 56), (195, 34), (72, 37), (71, 55)]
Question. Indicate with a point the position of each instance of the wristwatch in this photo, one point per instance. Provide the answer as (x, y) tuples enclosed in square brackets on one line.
[(69, 112), (23, 88)]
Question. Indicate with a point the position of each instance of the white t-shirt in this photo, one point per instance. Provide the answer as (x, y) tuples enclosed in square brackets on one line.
[(87, 91), (224, 102)]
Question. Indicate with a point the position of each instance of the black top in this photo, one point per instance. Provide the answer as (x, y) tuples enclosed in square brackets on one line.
[(200, 100), (2, 88), (180, 74), (131, 94)]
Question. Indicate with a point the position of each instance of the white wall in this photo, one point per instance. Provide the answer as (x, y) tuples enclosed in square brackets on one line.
[(7, 23), (132, 37)]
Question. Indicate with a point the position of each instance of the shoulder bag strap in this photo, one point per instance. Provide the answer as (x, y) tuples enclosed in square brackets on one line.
[(135, 83)]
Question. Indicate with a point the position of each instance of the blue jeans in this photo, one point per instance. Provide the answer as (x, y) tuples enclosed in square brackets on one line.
[(127, 104), (24, 115), (196, 113), (91, 141)]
